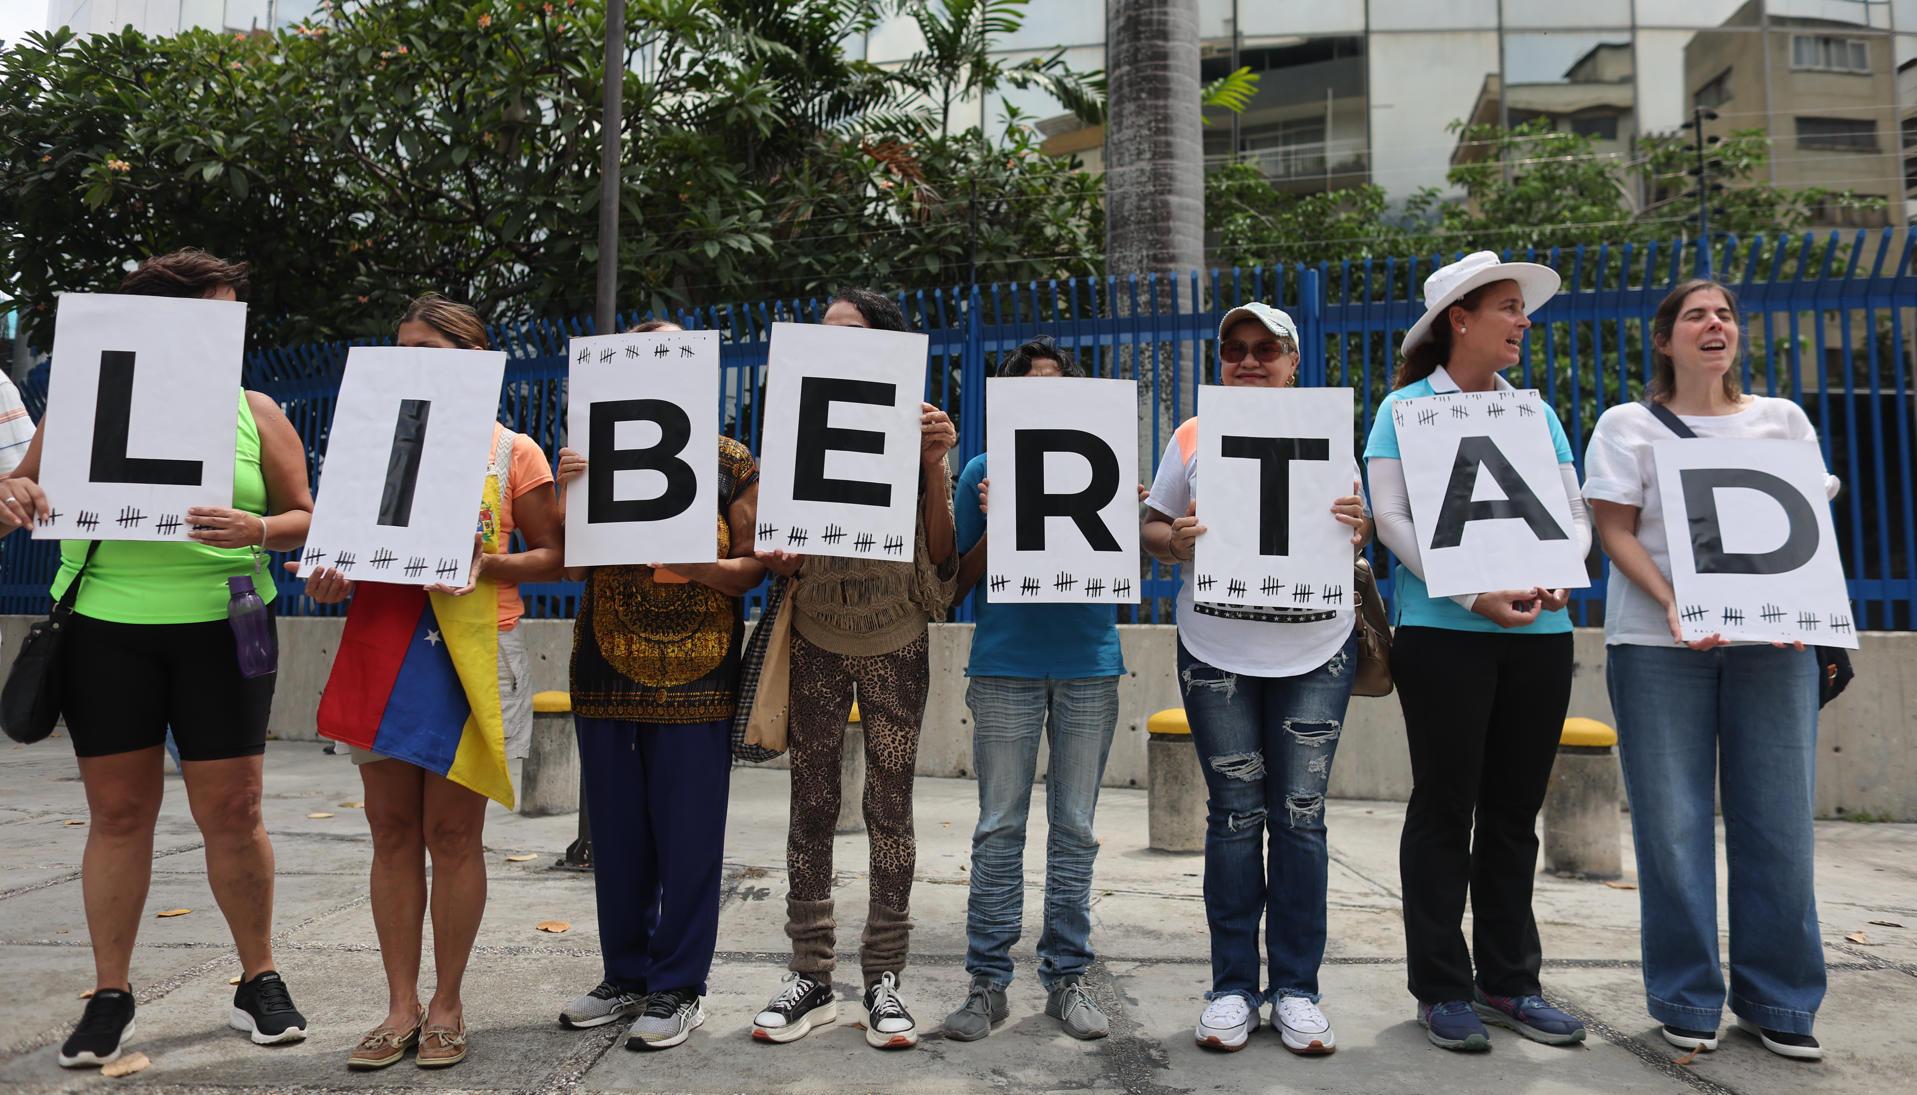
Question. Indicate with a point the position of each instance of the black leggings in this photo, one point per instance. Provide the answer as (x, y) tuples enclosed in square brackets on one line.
[(1483, 713), (124, 684)]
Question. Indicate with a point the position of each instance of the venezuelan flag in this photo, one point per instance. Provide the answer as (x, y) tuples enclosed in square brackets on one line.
[(417, 679)]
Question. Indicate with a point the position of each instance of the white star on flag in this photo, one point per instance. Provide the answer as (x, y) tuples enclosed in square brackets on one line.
[(433, 637)]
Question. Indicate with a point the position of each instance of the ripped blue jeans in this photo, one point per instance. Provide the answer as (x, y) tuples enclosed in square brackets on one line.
[(1266, 745)]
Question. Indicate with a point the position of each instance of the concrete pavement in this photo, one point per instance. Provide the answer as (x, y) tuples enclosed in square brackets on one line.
[(1149, 930)]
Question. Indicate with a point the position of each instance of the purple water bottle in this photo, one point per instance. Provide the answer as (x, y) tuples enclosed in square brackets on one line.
[(252, 628)]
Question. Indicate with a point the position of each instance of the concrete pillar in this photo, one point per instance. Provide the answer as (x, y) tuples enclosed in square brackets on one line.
[(1582, 830), (1174, 785), (549, 780), (852, 777)]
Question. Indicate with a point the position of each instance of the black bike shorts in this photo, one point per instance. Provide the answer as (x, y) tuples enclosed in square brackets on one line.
[(124, 684)]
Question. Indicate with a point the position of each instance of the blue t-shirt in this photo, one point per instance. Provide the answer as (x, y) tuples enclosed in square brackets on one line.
[(1046, 641), (1412, 605)]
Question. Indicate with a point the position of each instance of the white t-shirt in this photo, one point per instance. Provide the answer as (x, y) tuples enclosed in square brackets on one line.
[(1618, 467), (1255, 641)]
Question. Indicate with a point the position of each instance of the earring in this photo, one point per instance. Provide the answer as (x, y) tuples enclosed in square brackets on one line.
[(1460, 330), (1293, 382)]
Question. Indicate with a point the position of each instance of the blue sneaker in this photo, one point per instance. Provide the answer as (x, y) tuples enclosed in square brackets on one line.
[(1453, 1025), (1531, 1017)]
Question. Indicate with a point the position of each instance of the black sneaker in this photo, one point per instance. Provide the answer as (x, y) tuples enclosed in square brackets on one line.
[(264, 1010), (800, 1006), (887, 1024), (1798, 1047), (104, 1029)]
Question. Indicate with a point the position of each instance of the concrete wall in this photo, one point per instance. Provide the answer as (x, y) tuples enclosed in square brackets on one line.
[(1867, 761)]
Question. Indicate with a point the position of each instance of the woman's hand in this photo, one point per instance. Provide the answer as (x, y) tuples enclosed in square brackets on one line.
[(473, 572), (785, 564), (1554, 599), (572, 465), (220, 527), (937, 435), (22, 502), (1185, 533), (1350, 510), (984, 487), (1708, 642), (324, 587), (1509, 607)]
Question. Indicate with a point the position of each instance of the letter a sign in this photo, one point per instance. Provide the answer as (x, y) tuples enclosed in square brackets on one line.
[(1063, 525), (840, 467), (405, 470), (644, 408), (144, 412), (1753, 550)]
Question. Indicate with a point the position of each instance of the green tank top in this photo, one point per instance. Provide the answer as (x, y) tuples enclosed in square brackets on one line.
[(154, 582)]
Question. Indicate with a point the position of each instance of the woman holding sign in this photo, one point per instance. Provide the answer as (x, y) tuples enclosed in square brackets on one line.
[(655, 678), (863, 622), (1682, 706), (150, 646), (1265, 691), (414, 812), (1484, 681)]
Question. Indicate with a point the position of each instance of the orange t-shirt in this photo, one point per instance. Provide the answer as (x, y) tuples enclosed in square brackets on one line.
[(529, 471)]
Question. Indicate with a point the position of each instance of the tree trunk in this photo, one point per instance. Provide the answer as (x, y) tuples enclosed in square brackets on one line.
[(1154, 187)]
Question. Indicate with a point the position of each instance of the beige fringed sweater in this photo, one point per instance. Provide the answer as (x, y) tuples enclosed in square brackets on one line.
[(865, 607)]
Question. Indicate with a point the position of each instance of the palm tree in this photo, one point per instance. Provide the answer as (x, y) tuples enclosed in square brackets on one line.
[(1154, 166)]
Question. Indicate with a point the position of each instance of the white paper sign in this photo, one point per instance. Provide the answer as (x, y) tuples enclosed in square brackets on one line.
[(1487, 499), (644, 408), (1063, 523), (143, 415), (1753, 549), (405, 471), (1270, 463), (839, 470)]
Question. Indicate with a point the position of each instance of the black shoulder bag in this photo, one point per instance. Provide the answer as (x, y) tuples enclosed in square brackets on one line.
[(30, 701), (1834, 673)]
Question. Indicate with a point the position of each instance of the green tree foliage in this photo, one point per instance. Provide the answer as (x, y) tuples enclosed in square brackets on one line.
[(385, 149)]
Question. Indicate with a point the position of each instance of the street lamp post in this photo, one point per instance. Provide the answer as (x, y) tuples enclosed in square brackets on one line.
[(605, 304)]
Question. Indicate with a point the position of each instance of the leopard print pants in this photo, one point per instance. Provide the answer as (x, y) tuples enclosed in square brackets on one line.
[(891, 694)]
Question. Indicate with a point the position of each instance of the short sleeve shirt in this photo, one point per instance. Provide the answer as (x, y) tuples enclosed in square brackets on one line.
[(1413, 605), (529, 471)]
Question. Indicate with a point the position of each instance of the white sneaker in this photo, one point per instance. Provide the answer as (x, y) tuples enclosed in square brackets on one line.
[(1304, 1028), (1227, 1022)]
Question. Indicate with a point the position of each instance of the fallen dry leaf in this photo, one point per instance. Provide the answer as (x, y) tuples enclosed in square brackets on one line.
[(554, 926), (1859, 938), (72, 821), (1887, 923), (232, 980), (1685, 1061), (522, 858), (125, 1066), (1616, 885), (352, 806), (172, 912), (87, 995), (319, 814)]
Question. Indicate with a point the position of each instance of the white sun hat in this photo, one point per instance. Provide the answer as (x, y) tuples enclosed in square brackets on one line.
[(1275, 321), (1448, 284)]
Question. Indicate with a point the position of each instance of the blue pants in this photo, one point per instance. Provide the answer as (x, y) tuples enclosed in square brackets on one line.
[(1077, 718), (1744, 719), (656, 800), (1266, 745)]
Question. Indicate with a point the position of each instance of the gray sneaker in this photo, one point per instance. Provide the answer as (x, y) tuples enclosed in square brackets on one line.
[(1070, 1004), (984, 1006), (670, 1018), (606, 1004)]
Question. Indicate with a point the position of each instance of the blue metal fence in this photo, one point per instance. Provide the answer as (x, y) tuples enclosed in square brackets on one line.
[(1828, 321)]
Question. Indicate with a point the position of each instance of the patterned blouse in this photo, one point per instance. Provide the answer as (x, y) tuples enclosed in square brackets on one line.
[(662, 652)]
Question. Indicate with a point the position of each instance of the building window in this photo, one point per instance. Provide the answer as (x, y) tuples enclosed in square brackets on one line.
[(1598, 127), (1716, 92), (1828, 53), (1837, 134)]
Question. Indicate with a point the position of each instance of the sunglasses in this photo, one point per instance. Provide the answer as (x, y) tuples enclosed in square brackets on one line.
[(1234, 352)]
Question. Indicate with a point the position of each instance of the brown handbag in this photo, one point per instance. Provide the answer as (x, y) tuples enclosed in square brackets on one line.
[(1374, 635)]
